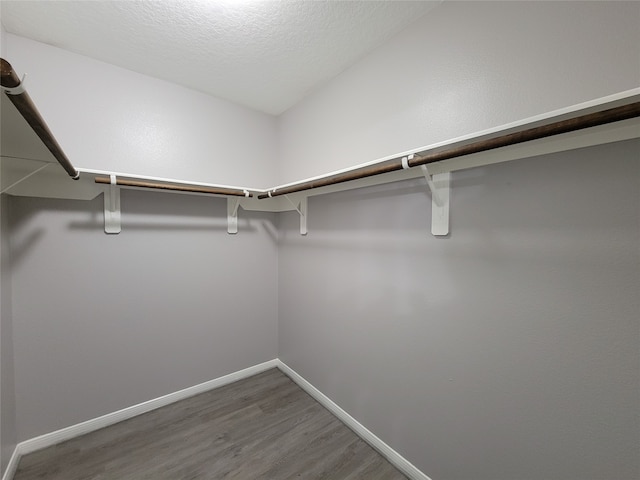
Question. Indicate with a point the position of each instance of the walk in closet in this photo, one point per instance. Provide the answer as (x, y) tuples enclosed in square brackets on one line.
[(439, 243)]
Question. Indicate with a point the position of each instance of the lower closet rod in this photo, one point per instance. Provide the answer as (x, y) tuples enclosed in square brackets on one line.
[(175, 187), (15, 91)]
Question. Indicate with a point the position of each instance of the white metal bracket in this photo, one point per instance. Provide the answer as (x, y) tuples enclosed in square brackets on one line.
[(232, 215), (112, 217), (439, 185), (301, 208)]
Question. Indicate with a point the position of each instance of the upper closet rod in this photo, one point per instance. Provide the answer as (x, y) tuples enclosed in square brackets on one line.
[(15, 91), (236, 192), (603, 117)]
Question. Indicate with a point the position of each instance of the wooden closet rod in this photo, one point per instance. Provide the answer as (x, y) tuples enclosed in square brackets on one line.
[(22, 101), (175, 187), (563, 126)]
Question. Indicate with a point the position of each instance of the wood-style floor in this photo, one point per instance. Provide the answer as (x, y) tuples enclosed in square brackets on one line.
[(263, 427)]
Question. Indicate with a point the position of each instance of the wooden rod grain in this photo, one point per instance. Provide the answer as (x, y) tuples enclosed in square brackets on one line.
[(603, 117), (28, 110), (174, 187)]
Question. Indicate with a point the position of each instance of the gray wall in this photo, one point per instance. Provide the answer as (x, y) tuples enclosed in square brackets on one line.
[(7, 390), (7, 386), (507, 351), (145, 126), (102, 323), (105, 322), (462, 68)]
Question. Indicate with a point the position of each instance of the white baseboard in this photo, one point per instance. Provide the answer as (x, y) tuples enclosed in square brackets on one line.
[(12, 466), (53, 438), (385, 450)]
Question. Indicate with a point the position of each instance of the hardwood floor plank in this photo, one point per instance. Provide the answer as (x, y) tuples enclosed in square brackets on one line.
[(264, 427)]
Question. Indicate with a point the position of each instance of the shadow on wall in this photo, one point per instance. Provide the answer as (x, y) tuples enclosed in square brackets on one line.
[(513, 342), (394, 217), (21, 248), (141, 212), (504, 212)]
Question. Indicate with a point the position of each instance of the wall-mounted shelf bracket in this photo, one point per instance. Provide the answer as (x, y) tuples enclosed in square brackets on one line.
[(112, 217), (301, 208), (440, 187), (232, 215)]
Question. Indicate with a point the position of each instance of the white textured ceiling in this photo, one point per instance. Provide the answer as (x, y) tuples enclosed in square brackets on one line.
[(266, 55)]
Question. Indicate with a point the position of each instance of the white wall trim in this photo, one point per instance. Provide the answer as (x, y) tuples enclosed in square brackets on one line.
[(385, 450), (12, 466), (53, 438)]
